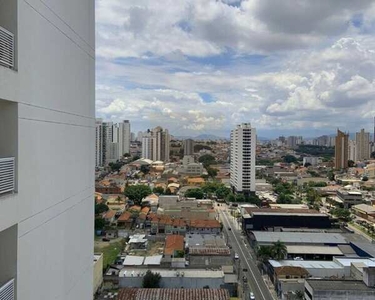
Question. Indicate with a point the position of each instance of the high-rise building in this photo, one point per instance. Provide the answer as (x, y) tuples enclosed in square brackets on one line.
[(242, 158), (341, 150), (155, 144), (99, 143), (47, 149), (294, 141), (352, 147), (362, 140), (188, 147), (123, 139)]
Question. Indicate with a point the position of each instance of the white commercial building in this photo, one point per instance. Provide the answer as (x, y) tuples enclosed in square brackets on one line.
[(47, 142), (242, 158)]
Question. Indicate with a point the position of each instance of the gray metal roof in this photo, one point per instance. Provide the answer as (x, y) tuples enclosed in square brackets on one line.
[(299, 237)]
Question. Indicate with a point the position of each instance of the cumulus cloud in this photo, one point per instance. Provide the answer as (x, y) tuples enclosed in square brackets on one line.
[(279, 64)]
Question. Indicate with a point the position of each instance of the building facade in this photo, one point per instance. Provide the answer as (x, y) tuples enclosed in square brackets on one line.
[(362, 139), (242, 158), (341, 150), (47, 129), (99, 143), (155, 144), (188, 147), (124, 136)]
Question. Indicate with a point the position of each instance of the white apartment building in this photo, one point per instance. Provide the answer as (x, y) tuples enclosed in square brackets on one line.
[(362, 140), (155, 144), (242, 158), (352, 147), (47, 140), (123, 137), (188, 147)]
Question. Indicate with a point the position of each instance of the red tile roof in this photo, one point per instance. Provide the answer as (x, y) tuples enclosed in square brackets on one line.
[(109, 214), (173, 294), (173, 243), (145, 210), (135, 207), (205, 224), (124, 217)]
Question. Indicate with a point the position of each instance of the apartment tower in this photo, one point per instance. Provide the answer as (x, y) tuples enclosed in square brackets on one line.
[(155, 144), (341, 150), (242, 159), (47, 142), (362, 140), (188, 147)]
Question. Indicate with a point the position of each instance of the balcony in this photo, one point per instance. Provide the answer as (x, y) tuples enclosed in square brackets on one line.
[(7, 175), (7, 291), (6, 48)]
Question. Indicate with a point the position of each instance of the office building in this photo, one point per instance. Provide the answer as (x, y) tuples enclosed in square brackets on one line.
[(188, 147), (47, 149), (362, 140), (341, 150), (242, 158), (155, 144)]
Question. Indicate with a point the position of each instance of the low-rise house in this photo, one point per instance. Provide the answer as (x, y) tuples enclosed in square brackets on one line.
[(125, 220), (196, 181), (174, 247), (205, 226), (137, 241), (109, 216), (288, 279), (365, 211)]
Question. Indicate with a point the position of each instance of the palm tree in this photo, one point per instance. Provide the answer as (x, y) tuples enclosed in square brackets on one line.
[(279, 250), (264, 253)]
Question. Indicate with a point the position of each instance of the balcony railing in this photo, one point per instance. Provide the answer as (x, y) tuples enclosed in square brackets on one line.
[(6, 48), (7, 291), (7, 175)]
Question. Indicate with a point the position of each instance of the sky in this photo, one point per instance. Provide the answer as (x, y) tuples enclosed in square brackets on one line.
[(292, 67)]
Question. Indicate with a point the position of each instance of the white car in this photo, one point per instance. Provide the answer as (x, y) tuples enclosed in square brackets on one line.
[(236, 256), (252, 297)]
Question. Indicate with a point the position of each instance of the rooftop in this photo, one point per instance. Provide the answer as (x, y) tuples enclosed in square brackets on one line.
[(365, 208), (307, 264), (283, 211), (291, 271), (299, 237), (173, 243), (320, 250), (170, 273), (172, 294), (338, 285)]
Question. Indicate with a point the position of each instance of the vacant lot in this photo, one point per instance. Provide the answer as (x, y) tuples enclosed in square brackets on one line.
[(110, 250)]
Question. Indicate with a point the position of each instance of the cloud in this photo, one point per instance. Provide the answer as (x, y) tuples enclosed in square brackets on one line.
[(281, 65)]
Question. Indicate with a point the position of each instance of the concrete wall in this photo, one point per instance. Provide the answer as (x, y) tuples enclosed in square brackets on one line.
[(55, 92)]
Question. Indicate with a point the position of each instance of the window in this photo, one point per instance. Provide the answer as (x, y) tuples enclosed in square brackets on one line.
[(8, 33)]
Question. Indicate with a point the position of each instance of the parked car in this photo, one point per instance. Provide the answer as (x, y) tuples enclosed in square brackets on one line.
[(105, 240), (244, 278), (229, 228), (252, 297), (236, 256)]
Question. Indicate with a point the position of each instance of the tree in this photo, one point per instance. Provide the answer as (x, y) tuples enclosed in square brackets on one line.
[(158, 190), (151, 280), (101, 208), (364, 178), (222, 192), (230, 198), (99, 223), (307, 165), (331, 175), (211, 172), (373, 154), (145, 169), (290, 159), (168, 191), (137, 192), (279, 250), (284, 198), (194, 193), (115, 167), (299, 295), (240, 198), (127, 155), (341, 213), (179, 254), (264, 253), (351, 163), (206, 160), (253, 199)]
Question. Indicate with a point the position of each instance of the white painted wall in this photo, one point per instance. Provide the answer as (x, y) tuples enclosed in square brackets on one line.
[(54, 88)]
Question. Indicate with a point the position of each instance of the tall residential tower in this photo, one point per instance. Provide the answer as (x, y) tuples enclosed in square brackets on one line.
[(47, 149), (362, 140), (242, 159), (341, 150)]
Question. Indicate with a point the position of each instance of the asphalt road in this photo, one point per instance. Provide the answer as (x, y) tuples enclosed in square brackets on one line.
[(254, 278)]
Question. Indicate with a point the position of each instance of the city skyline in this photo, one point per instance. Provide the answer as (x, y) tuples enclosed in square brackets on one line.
[(296, 71)]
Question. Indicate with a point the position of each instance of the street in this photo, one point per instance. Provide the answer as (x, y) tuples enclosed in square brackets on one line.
[(255, 281)]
